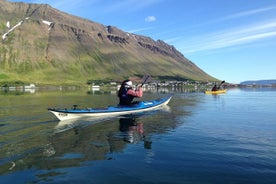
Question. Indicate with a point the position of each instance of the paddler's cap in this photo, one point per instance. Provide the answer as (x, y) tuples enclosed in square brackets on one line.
[(128, 84)]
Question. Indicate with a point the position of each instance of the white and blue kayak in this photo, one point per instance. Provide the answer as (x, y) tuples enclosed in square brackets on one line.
[(142, 106)]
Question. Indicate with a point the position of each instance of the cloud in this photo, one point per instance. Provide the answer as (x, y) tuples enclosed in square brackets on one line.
[(150, 19), (248, 13), (230, 38), (237, 36)]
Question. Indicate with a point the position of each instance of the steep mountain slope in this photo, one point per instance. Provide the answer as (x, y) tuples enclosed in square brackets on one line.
[(44, 45)]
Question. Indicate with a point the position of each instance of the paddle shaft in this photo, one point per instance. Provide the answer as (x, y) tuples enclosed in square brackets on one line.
[(147, 77)]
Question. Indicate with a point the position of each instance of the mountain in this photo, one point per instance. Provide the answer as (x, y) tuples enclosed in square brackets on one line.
[(41, 44), (260, 82)]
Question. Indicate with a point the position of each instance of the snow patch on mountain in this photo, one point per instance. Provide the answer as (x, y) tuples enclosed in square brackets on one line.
[(10, 30), (5, 35), (8, 24), (50, 24)]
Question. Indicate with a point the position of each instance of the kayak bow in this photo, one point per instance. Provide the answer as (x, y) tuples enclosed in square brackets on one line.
[(143, 106)]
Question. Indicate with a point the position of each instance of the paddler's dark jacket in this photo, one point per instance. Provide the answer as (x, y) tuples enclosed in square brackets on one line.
[(126, 95)]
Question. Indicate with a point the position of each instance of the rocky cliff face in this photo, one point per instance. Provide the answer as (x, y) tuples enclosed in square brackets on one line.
[(38, 40)]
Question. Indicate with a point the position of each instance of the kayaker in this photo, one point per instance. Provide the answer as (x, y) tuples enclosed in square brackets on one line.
[(215, 88), (126, 93)]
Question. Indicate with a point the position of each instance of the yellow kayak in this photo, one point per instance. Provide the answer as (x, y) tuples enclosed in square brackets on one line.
[(216, 92)]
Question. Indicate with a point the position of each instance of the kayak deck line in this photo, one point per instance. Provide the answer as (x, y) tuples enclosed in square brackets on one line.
[(64, 114)]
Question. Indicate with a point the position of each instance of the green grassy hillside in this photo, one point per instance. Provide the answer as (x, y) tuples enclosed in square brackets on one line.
[(46, 46)]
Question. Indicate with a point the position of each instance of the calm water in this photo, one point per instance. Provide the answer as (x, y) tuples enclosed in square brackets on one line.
[(229, 138)]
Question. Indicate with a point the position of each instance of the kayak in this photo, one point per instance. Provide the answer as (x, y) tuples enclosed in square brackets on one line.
[(216, 92), (142, 106)]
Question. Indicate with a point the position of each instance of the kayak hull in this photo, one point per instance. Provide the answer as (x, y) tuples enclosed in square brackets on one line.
[(143, 106), (216, 92)]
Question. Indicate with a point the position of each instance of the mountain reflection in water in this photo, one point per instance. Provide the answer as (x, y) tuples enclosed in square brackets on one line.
[(74, 142), (35, 144)]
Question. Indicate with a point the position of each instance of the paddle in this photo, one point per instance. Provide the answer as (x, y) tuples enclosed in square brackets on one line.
[(146, 77), (221, 84)]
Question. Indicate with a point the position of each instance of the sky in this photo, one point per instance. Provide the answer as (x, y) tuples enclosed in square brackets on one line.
[(232, 40)]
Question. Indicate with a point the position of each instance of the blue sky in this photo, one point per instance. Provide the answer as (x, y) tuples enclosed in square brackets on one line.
[(230, 40)]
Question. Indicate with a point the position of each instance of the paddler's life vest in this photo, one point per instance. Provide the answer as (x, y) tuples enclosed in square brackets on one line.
[(125, 99)]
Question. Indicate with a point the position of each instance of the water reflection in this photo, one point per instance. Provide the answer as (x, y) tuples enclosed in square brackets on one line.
[(34, 148), (105, 90), (31, 141), (66, 125), (133, 130), (92, 140), (72, 143)]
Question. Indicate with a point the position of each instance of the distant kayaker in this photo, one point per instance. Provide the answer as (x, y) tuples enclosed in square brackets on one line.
[(126, 94), (215, 88)]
